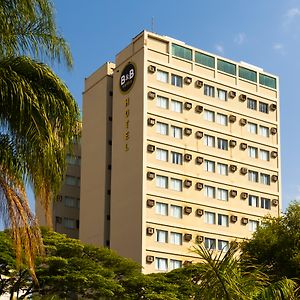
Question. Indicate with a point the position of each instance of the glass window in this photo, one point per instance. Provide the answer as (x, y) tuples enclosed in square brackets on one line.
[(209, 191), (223, 220), (264, 131), (176, 211), (175, 264), (222, 144), (182, 52), (209, 90), (222, 95), (222, 119), (161, 264), (223, 245), (253, 201), (253, 225), (253, 176), (176, 80), (265, 179), (252, 127), (161, 208), (162, 128), (226, 67), (206, 60), (176, 158), (251, 104), (161, 154), (247, 74), (162, 102), (267, 81), (176, 132), (265, 203), (162, 76), (264, 155), (73, 160), (161, 236), (263, 107), (222, 194), (176, 184), (71, 202), (162, 181), (209, 115), (69, 223), (252, 151), (222, 169), (72, 180), (209, 140), (210, 217), (209, 166), (176, 106), (210, 244), (176, 238)]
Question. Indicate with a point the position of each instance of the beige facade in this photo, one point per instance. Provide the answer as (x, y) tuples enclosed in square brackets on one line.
[(178, 146)]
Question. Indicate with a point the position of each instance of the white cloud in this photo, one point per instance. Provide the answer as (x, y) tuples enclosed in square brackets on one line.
[(219, 48), (290, 16), (279, 48), (240, 38)]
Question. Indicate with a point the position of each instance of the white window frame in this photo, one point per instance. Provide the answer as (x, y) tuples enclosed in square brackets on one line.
[(210, 218), (175, 238), (223, 245), (176, 211), (223, 220), (264, 131), (176, 158), (162, 154), (222, 144), (252, 128), (161, 264), (209, 90), (222, 169), (161, 236), (253, 201), (253, 176), (176, 80), (209, 140), (222, 94), (161, 208), (222, 119), (210, 243), (263, 107), (162, 76), (253, 225), (175, 264), (176, 184), (162, 102), (162, 181), (209, 191), (162, 128), (176, 106), (265, 203), (252, 104), (252, 152), (209, 115), (222, 194), (176, 132), (265, 179), (209, 166), (264, 155)]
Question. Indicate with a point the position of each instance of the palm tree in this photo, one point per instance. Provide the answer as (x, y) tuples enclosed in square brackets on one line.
[(39, 118)]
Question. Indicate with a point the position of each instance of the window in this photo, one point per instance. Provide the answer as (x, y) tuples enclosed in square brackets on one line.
[(222, 144), (176, 106), (162, 76), (161, 236), (162, 102), (226, 67), (161, 264), (223, 245), (176, 132), (222, 194), (252, 104), (263, 107), (253, 225), (209, 140), (252, 152), (176, 80), (161, 154), (264, 155), (176, 238), (210, 217), (252, 127), (265, 179), (210, 191), (176, 211), (222, 169), (162, 181), (176, 158), (253, 201), (222, 95), (209, 166), (71, 202), (264, 131), (253, 176), (182, 52), (69, 223), (223, 220), (175, 264), (72, 180), (247, 74), (176, 184), (209, 115), (162, 128), (265, 203), (161, 208), (209, 90), (206, 60), (73, 160), (222, 119), (267, 81), (210, 244)]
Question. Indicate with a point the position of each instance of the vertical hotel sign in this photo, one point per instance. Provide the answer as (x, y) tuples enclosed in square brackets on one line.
[(127, 80)]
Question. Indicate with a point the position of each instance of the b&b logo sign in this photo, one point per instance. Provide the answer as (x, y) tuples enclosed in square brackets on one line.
[(127, 77)]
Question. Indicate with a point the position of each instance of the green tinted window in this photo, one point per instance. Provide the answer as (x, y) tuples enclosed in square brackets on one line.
[(267, 81), (226, 67), (181, 52), (204, 59), (247, 74)]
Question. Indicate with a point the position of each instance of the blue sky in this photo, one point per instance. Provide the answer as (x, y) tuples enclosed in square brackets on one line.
[(265, 33)]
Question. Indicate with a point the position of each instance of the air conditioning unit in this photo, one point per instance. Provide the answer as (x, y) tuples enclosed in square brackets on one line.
[(243, 97), (233, 219), (233, 193), (232, 94), (199, 134), (188, 105), (232, 143), (188, 131), (199, 160), (243, 121), (243, 146), (275, 202), (233, 168), (199, 212), (188, 80), (150, 230), (151, 121), (150, 202), (187, 183), (58, 220), (274, 178), (187, 262), (232, 118), (273, 130), (150, 175), (244, 196), (244, 221), (244, 171), (273, 106), (149, 259), (199, 186), (274, 154), (150, 148), (151, 69), (59, 198), (199, 83), (187, 237), (199, 239), (187, 157), (198, 109), (187, 210), (151, 95)]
